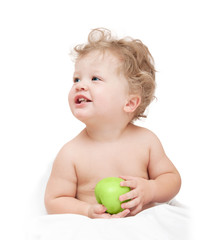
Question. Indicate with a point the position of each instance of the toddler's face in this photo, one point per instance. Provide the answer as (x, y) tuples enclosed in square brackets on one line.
[(99, 90)]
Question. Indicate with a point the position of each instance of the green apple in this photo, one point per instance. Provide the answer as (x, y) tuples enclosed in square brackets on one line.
[(108, 191)]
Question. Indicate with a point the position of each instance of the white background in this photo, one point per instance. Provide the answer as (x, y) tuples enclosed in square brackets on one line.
[(36, 75)]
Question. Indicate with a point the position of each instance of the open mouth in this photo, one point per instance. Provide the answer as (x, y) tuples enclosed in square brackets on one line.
[(81, 99)]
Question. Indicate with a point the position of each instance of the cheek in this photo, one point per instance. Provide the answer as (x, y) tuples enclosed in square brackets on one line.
[(70, 97), (111, 103)]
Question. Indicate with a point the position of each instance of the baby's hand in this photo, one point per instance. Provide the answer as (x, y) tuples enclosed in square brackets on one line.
[(141, 193), (98, 211)]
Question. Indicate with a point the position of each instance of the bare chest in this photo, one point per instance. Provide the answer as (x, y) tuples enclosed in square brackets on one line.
[(112, 161)]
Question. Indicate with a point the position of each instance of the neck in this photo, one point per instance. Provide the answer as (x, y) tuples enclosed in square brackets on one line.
[(104, 133)]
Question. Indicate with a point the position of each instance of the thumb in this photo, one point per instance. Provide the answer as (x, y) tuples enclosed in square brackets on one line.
[(99, 208)]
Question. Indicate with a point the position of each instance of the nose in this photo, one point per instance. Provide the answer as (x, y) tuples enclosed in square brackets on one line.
[(81, 86)]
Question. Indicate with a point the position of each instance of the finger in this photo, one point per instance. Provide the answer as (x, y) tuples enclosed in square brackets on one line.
[(122, 214), (131, 204), (127, 177), (104, 215), (129, 183), (136, 210), (129, 195)]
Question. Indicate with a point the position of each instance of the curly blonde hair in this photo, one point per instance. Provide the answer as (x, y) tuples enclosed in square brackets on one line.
[(137, 63)]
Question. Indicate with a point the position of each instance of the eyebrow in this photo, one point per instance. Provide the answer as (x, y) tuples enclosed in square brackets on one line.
[(76, 73), (93, 72)]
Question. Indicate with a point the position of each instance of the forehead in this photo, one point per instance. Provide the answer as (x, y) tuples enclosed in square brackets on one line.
[(98, 58)]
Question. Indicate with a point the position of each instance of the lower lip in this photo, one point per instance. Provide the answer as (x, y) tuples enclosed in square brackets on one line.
[(82, 104)]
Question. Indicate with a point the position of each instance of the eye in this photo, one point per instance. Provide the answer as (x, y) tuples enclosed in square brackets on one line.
[(95, 79), (76, 80)]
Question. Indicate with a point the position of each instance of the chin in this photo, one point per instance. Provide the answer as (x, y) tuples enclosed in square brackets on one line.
[(82, 117)]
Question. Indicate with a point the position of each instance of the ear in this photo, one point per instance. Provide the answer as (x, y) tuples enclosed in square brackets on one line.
[(132, 103)]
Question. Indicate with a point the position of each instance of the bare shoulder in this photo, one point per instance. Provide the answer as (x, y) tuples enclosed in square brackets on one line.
[(65, 154), (145, 134), (151, 142), (70, 152), (150, 139), (64, 163)]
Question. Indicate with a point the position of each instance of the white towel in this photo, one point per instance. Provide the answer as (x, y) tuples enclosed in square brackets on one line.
[(163, 222)]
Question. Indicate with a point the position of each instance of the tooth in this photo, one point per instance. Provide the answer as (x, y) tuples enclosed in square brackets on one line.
[(82, 99)]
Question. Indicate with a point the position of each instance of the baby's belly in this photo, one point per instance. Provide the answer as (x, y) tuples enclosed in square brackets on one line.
[(86, 190), (88, 177)]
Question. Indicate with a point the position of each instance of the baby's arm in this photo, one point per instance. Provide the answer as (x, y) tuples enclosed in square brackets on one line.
[(167, 180), (61, 188), (163, 185)]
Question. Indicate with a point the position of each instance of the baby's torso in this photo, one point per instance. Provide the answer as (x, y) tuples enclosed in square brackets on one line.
[(97, 161)]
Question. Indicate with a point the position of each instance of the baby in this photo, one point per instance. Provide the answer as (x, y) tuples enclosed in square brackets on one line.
[(114, 82)]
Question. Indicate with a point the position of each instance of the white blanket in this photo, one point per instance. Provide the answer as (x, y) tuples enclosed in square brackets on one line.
[(162, 222)]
